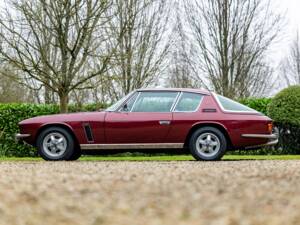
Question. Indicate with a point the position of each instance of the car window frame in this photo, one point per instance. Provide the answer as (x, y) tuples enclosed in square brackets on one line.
[(232, 111), (134, 93), (171, 109), (177, 98), (197, 108)]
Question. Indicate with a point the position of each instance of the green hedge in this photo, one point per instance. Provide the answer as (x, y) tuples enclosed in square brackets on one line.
[(11, 114), (259, 104), (285, 106), (285, 110)]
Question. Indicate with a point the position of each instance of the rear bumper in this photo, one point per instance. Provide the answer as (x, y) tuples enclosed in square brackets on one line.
[(272, 139), (264, 136), (269, 143)]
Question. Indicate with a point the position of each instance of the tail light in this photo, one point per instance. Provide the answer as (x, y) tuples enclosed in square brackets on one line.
[(270, 127)]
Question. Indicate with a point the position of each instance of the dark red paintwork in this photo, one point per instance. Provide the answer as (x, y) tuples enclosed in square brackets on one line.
[(141, 127)]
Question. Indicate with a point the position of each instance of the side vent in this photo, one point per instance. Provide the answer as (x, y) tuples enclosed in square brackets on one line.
[(88, 132), (209, 110)]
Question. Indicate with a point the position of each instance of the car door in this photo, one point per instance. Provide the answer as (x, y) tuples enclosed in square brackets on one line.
[(145, 118)]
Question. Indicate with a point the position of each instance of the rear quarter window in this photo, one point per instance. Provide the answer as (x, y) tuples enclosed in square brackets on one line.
[(230, 105)]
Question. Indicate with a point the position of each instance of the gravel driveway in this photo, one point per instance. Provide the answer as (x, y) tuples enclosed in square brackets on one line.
[(187, 192)]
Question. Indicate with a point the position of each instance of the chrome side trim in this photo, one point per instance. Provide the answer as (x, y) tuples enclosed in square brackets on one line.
[(266, 136), (269, 143), (196, 110), (131, 146)]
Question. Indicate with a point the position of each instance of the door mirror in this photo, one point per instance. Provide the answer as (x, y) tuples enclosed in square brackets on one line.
[(125, 108)]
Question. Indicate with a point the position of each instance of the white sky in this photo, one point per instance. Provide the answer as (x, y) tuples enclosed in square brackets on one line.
[(292, 13), (290, 10)]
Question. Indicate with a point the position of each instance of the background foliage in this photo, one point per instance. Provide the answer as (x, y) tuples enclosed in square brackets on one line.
[(285, 110), (259, 104), (282, 112), (11, 114)]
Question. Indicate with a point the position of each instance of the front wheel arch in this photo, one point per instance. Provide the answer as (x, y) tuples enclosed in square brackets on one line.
[(63, 126)]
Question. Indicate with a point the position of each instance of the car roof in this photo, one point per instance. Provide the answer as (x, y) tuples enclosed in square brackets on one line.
[(192, 90)]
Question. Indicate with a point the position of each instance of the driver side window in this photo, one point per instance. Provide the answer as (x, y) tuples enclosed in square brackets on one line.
[(155, 101)]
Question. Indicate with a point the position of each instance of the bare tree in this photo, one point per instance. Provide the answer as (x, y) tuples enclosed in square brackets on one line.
[(11, 91), (232, 38), (54, 42), (142, 49), (290, 66), (181, 72)]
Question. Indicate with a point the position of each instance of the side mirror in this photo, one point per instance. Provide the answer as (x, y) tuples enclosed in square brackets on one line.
[(125, 108)]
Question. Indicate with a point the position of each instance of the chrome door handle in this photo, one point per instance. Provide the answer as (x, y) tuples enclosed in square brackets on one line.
[(164, 122)]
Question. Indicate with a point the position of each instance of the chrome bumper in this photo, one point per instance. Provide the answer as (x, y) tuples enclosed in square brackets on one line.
[(273, 138), (269, 143), (20, 137), (265, 136)]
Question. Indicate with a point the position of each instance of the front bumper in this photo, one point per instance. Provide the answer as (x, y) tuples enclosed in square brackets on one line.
[(20, 137)]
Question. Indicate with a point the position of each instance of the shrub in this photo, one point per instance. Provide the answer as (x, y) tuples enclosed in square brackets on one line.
[(11, 114), (284, 109), (285, 106), (259, 104)]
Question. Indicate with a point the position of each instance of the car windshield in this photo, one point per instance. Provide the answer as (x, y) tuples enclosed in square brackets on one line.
[(116, 105)]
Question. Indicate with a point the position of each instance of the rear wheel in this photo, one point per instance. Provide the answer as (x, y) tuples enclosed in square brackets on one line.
[(55, 143), (208, 143)]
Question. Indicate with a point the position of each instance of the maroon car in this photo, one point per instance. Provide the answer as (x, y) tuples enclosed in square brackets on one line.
[(205, 123)]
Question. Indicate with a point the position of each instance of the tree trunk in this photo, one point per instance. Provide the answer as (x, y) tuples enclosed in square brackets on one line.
[(63, 100), (48, 97)]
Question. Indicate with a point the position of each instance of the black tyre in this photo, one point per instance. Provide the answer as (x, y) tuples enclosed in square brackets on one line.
[(208, 143), (76, 155), (55, 143)]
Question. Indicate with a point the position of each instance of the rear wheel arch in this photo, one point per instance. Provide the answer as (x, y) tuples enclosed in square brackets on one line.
[(214, 125)]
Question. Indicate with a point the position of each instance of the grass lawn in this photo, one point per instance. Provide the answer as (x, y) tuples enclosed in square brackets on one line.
[(162, 158)]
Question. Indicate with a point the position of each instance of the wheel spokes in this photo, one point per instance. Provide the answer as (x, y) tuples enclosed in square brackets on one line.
[(202, 142), (208, 144), (55, 144), (60, 140), (208, 137), (52, 138), (214, 143)]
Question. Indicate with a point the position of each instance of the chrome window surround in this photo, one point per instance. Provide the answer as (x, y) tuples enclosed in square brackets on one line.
[(197, 108), (176, 100), (232, 111), (139, 93), (125, 101)]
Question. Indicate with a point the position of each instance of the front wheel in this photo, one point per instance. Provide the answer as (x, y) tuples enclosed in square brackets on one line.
[(55, 143), (208, 143)]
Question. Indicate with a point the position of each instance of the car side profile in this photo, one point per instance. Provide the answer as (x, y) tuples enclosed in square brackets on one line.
[(205, 123)]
